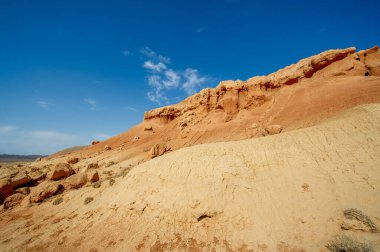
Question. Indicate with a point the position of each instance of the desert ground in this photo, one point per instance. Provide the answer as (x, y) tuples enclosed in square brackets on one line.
[(284, 162)]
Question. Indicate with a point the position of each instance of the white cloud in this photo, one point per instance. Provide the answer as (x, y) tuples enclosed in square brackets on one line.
[(154, 67), (127, 53), (6, 129), (172, 79), (155, 81), (156, 95), (102, 136), (152, 97), (192, 81), (149, 53), (162, 79), (188, 80), (90, 102), (132, 109), (45, 104)]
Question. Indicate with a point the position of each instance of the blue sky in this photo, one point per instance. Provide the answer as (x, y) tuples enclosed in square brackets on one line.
[(74, 71)]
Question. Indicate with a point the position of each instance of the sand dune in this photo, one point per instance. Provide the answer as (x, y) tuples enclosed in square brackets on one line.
[(286, 192)]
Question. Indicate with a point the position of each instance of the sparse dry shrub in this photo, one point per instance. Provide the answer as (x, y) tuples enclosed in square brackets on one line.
[(146, 148), (96, 184), (110, 163), (88, 200), (353, 213), (124, 171), (346, 244), (111, 181), (108, 172), (57, 201)]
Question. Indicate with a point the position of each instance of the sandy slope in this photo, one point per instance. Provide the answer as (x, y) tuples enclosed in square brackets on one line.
[(285, 192)]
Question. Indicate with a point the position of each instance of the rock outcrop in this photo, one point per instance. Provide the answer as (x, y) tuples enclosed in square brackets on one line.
[(37, 175), (148, 127), (93, 176), (44, 191), (95, 142), (20, 179), (159, 149), (272, 130), (23, 190), (233, 96), (75, 181), (13, 200), (61, 170), (92, 166), (6, 189), (73, 160)]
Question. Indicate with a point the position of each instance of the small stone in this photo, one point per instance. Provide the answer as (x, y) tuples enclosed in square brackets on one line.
[(73, 160), (148, 127), (92, 166), (273, 129), (95, 142)]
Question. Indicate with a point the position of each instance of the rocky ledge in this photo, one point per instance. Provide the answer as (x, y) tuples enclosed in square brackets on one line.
[(232, 96)]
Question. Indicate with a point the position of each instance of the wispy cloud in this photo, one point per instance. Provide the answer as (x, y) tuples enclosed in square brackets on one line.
[(91, 103), (157, 93), (149, 53), (172, 79), (162, 78), (149, 65), (132, 109), (192, 81), (45, 104), (127, 53), (6, 129), (102, 136)]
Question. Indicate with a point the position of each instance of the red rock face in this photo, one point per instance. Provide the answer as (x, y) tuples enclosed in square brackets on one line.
[(232, 96), (296, 96)]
